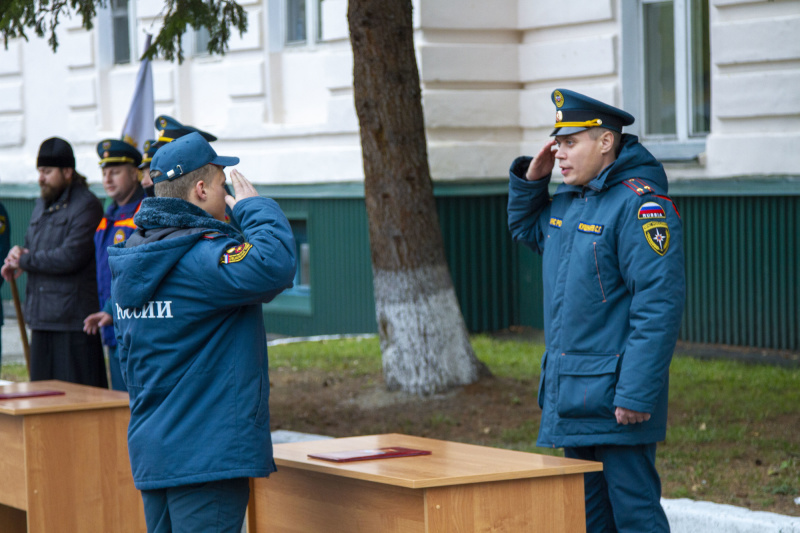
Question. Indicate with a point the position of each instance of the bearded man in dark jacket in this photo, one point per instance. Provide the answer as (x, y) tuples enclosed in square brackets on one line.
[(58, 256)]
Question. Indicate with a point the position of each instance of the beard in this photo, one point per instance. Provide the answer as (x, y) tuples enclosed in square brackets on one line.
[(51, 193)]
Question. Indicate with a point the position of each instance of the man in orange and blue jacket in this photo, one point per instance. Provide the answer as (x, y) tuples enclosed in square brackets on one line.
[(119, 161)]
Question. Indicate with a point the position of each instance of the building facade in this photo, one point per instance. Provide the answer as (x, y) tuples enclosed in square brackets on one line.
[(714, 85)]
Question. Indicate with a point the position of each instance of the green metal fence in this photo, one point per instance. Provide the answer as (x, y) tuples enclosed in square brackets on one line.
[(742, 260)]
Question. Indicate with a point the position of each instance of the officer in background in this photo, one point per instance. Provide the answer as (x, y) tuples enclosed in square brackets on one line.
[(614, 290), (150, 149), (119, 161), (58, 256)]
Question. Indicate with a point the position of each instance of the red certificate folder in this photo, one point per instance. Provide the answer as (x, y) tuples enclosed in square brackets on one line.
[(29, 394), (366, 455)]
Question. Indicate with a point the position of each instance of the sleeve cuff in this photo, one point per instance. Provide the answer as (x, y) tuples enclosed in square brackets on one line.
[(633, 405)]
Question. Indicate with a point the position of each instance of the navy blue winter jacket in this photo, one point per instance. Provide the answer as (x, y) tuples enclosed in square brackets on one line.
[(614, 291), (187, 295)]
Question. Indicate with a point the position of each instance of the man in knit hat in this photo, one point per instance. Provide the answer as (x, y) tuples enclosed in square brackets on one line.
[(58, 256)]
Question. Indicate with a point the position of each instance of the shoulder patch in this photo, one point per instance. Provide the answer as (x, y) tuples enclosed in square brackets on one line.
[(235, 254), (119, 236), (657, 235), (3, 224), (651, 210), (638, 186)]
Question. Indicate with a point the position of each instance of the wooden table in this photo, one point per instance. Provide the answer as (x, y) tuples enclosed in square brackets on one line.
[(64, 461), (458, 488)]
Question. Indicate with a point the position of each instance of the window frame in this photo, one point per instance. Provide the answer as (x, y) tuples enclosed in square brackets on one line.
[(682, 146), (278, 21), (298, 299)]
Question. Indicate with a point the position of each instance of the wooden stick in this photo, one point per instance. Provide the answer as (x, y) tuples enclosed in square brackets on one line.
[(23, 333)]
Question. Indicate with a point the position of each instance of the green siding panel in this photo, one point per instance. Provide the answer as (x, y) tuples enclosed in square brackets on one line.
[(742, 259)]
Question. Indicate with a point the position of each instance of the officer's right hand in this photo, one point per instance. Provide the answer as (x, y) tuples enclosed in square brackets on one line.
[(542, 165), (93, 322), (241, 189)]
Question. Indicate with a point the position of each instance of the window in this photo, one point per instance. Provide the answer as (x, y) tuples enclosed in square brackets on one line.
[(667, 74), (297, 300), (302, 278), (201, 38), (120, 27), (300, 22)]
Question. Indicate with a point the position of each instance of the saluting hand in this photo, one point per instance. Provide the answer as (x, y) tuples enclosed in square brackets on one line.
[(242, 189), (542, 165)]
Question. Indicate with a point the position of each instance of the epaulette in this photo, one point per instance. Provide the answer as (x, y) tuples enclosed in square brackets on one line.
[(638, 186), (213, 235)]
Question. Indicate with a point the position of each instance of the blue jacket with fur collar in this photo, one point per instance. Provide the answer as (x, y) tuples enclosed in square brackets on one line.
[(187, 293)]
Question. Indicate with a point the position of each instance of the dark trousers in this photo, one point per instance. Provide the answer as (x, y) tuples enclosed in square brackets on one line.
[(213, 507), (70, 356), (626, 495), (114, 369)]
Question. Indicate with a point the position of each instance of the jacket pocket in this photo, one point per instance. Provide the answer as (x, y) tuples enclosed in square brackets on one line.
[(540, 395), (586, 385), (56, 302)]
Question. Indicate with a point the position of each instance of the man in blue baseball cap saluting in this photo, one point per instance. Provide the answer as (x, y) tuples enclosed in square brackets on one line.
[(187, 291), (614, 290)]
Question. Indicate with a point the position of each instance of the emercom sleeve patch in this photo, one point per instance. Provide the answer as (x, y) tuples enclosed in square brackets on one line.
[(657, 235), (235, 254)]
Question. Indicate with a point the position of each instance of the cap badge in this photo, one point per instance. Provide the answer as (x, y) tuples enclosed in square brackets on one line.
[(106, 145), (163, 123), (559, 98)]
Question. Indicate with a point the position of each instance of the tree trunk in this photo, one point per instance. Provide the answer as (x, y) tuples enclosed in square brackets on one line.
[(424, 340)]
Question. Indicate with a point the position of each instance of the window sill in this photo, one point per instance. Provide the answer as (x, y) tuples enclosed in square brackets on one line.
[(675, 151)]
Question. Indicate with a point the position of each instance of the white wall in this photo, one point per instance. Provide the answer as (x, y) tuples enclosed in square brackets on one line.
[(487, 71), (755, 96)]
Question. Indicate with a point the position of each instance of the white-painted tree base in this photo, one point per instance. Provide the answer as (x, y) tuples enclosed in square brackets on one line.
[(424, 341)]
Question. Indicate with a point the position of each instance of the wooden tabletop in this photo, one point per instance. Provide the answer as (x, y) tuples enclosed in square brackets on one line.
[(450, 463), (75, 398)]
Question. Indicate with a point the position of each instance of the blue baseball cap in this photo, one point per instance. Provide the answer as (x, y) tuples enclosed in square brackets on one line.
[(576, 112), (184, 155)]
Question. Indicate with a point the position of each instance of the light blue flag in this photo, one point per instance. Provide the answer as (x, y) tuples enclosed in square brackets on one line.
[(139, 126)]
